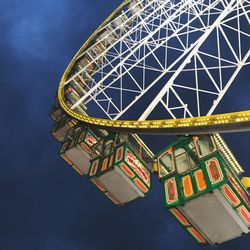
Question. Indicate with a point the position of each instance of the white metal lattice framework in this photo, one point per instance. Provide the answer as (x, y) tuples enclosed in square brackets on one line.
[(181, 56)]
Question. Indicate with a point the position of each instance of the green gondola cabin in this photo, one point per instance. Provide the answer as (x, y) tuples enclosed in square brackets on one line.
[(119, 171), (202, 190)]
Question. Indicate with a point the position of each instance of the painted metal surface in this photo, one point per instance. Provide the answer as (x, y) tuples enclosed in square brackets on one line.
[(239, 121), (122, 174), (212, 216), (208, 199), (77, 151)]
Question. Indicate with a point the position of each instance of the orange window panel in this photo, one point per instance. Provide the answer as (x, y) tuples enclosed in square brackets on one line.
[(85, 147), (77, 170), (179, 216), (66, 159), (104, 164), (230, 195), (127, 170), (94, 167), (244, 214), (196, 235), (200, 180), (112, 198), (187, 186), (98, 184), (119, 154), (238, 189), (140, 185), (111, 160)]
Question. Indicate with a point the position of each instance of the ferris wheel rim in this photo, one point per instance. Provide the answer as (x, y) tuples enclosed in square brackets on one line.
[(116, 123)]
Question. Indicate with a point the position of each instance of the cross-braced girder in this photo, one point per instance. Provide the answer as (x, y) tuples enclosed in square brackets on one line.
[(177, 57)]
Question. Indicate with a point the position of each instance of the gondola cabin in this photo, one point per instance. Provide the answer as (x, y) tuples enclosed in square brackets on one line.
[(119, 171), (78, 86), (135, 6), (77, 150), (120, 23), (56, 112), (77, 109), (72, 96), (96, 53), (61, 128), (202, 190), (107, 37)]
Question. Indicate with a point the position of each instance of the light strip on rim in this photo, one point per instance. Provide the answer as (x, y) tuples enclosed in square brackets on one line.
[(229, 122)]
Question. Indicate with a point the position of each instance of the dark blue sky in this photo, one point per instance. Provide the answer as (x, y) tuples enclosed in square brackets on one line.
[(45, 205)]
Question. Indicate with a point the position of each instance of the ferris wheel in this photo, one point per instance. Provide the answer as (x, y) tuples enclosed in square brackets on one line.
[(178, 58), (161, 60)]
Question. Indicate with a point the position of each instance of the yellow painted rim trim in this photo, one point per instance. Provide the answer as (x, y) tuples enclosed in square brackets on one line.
[(228, 118)]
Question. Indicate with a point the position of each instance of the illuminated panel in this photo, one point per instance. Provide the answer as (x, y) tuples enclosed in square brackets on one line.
[(179, 216), (140, 185), (90, 139), (196, 235), (94, 167), (138, 167), (119, 154), (238, 189), (127, 170), (66, 159), (244, 214), (104, 164), (81, 136), (212, 216), (230, 195), (85, 147), (64, 147), (187, 186), (171, 190), (200, 180), (111, 160), (214, 171), (112, 198), (98, 184), (72, 123)]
